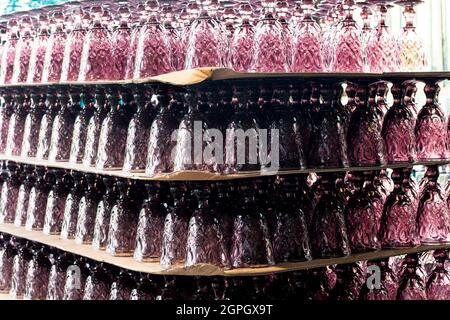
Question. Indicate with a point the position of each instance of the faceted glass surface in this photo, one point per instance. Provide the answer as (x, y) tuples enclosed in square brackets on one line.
[(54, 55), (32, 126)]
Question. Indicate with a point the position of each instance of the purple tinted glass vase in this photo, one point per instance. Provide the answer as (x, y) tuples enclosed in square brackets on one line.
[(23, 52), (138, 135), (39, 48), (123, 222), (176, 228), (93, 129), (364, 141), (97, 55), (433, 220), (113, 135), (57, 276), (103, 216), (431, 127), (438, 284), (9, 53), (56, 201), (6, 111), (242, 42), (307, 43), (37, 276), (160, 143), (80, 128), (62, 128), (88, 210), (362, 219), (329, 238), (37, 202), (150, 226), (9, 194), (69, 224), (398, 223), (98, 283), (291, 239), (205, 240), (398, 130), (52, 106), (17, 125), (327, 146), (250, 248), (411, 285), (32, 125), (55, 51)]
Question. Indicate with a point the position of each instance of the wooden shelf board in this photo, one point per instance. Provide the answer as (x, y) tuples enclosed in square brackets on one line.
[(200, 270)]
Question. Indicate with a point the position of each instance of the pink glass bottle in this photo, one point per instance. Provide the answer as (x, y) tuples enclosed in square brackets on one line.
[(56, 201), (382, 47), (431, 129), (348, 53), (74, 47), (19, 271), (32, 125), (153, 51), (134, 40), (28, 181), (242, 42), (398, 223), (7, 252), (37, 275), (411, 286), (63, 124), (150, 226), (17, 124), (187, 17), (113, 135), (433, 220), (205, 239), (87, 210), (124, 220), (97, 55), (269, 50), (102, 219), (71, 206), (364, 141), (398, 130), (38, 51), (52, 107), (9, 53), (307, 42), (173, 37), (120, 43), (329, 238), (376, 198), (6, 111), (23, 52), (438, 284), (79, 135), (94, 127), (38, 200), (9, 194), (55, 50), (361, 217)]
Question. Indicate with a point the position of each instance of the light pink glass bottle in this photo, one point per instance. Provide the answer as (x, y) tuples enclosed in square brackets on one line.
[(39, 47), (173, 37), (307, 43), (55, 50), (153, 52), (23, 52), (438, 284), (97, 53), (348, 54), (121, 43), (134, 39), (242, 42), (269, 47), (9, 53)]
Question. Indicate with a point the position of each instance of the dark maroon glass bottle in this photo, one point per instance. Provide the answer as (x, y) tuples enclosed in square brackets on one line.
[(204, 291), (17, 124), (350, 279), (291, 239), (411, 286), (146, 288), (56, 201), (150, 226), (37, 275), (28, 181), (122, 286), (7, 252), (317, 285), (329, 234), (250, 243), (365, 144), (52, 107), (376, 198), (77, 274), (6, 111), (69, 225), (57, 277), (300, 107), (32, 125), (98, 283), (10, 193), (37, 202), (20, 268), (398, 223), (103, 217), (438, 284), (398, 130), (431, 127)]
